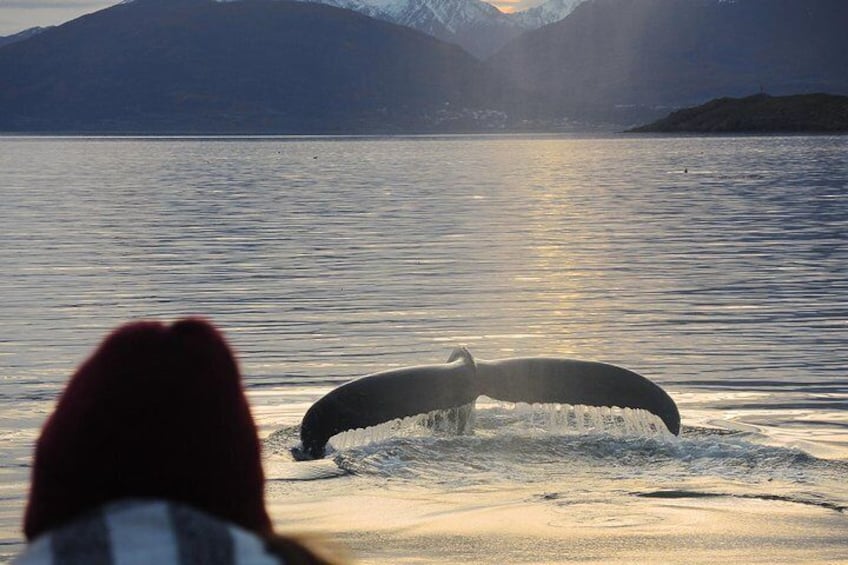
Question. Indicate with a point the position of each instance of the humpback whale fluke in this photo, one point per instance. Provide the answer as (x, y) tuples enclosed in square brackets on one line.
[(399, 393)]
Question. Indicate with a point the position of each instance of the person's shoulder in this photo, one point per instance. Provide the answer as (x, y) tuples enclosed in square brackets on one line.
[(148, 531)]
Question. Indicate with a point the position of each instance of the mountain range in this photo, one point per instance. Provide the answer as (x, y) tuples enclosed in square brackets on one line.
[(297, 67), (662, 54), (248, 66), (478, 27)]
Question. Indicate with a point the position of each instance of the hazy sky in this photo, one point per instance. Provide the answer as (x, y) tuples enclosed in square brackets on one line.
[(18, 15)]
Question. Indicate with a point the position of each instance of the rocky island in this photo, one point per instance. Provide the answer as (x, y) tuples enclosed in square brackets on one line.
[(761, 113)]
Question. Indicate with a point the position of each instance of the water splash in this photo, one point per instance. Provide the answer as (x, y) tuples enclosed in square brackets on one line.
[(567, 419), (511, 418), (454, 421)]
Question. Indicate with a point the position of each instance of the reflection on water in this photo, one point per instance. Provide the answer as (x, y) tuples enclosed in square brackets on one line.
[(326, 258), (699, 262)]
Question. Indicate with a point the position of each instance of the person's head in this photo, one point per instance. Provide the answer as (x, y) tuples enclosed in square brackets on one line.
[(157, 411)]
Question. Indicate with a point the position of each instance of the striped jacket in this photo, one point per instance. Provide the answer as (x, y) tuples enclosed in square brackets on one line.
[(131, 532)]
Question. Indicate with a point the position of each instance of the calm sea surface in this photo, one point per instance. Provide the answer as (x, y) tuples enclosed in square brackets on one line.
[(717, 267)]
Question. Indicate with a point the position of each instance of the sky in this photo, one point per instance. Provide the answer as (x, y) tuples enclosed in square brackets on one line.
[(18, 15)]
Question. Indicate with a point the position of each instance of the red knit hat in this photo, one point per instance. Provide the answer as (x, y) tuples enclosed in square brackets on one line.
[(156, 412)]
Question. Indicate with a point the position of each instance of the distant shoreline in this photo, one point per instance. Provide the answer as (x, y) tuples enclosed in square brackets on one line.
[(577, 133), (760, 113)]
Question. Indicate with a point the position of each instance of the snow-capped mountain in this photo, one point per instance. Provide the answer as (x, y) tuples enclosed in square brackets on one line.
[(477, 26), (372, 9), (544, 14), (450, 15)]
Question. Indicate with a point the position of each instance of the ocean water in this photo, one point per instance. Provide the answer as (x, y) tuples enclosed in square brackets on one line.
[(716, 266)]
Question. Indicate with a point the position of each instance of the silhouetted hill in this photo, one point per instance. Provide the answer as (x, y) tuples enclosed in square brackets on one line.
[(610, 55), (759, 113), (249, 66), (20, 36)]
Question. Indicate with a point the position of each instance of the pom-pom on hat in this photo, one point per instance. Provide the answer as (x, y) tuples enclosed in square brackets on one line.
[(156, 412)]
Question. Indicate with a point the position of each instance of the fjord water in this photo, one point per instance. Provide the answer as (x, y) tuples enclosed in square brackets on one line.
[(717, 267)]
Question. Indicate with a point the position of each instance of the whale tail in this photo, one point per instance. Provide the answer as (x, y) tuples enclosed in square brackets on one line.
[(455, 385)]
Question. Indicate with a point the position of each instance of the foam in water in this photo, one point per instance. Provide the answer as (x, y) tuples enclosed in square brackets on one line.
[(521, 419), (580, 419), (454, 421)]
